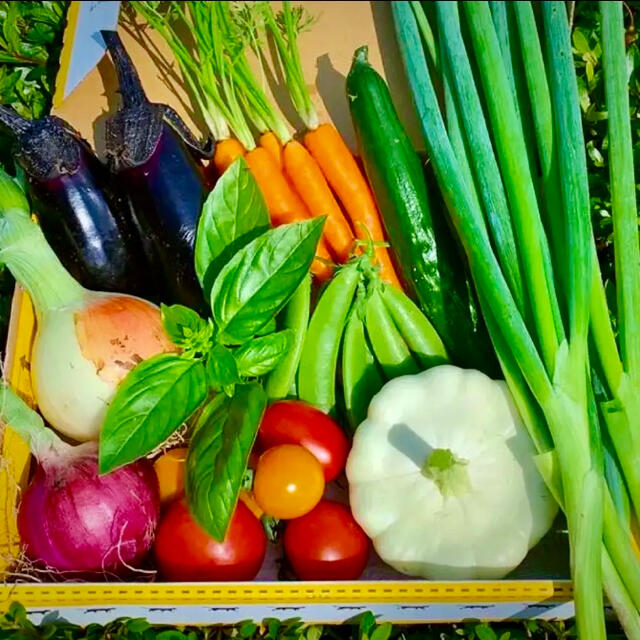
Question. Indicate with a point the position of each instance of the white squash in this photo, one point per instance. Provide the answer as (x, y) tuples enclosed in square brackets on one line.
[(442, 477)]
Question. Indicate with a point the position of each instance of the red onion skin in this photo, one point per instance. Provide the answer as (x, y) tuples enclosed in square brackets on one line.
[(73, 520)]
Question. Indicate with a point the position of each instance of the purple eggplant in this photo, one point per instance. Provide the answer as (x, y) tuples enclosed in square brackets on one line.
[(85, 220), (159, 161)]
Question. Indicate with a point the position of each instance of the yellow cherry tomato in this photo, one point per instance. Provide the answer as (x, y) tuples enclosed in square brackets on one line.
[(249, 500), (169, 468), (288, 481)]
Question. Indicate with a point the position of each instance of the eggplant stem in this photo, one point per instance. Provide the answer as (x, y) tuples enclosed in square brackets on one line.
[(13, 121), (133, 94), (203, 150)]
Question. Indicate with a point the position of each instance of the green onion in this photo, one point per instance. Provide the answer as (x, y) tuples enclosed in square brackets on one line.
[(547, 370), (540, 108), (623, 188), (512, 156), (485, 166)]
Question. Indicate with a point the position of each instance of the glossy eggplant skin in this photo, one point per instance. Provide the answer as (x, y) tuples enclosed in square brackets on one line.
[(82, 215), (157, 159), (167, 193), (87, 225)]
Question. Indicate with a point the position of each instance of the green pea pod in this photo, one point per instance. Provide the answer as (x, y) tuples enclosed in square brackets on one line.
[(389, 347), (415, 328), (361, 378), (319, 360), (281, 380)]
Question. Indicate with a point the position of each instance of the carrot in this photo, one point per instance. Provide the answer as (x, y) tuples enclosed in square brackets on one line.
[(270, 141), (323, 141), (305, 175), (283, 203), (227, 151), (344, 176)]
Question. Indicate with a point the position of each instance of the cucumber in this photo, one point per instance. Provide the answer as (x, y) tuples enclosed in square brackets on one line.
[(424, 251)]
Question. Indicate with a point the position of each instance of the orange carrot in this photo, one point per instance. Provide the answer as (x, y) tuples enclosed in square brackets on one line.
[(227, 151), (271, 142), (305, 175), (346, 179), (283, 203)]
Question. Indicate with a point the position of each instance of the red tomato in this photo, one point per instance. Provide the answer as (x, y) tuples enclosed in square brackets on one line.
[(326, 544), (184, 552), (291, 422)]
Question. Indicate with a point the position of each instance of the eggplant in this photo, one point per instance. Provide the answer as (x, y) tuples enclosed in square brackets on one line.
[(158, 159), (83, 216)]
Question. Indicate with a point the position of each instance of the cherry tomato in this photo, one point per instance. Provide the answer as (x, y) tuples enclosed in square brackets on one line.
[(326, 544), (291, 422), (250, 501), (169, 468), (184, 552), (288, 481)]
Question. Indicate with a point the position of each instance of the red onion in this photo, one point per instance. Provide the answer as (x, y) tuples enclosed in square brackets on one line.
[(70, 518)]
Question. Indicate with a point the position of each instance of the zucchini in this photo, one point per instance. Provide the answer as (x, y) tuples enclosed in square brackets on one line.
[(424, 251)]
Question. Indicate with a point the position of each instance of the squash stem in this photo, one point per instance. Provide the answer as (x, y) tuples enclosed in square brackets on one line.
[(449, 473)]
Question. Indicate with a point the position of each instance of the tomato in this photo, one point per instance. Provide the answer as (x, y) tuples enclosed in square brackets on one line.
[(326, 544), (250, 501), (288, 481), (291, 422), (169, 468), (184, 552)]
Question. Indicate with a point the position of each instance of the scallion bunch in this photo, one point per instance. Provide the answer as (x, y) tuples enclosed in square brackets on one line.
[(495, 89)]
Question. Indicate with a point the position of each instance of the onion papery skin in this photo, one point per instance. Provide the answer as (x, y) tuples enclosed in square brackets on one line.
[(74, 521), (82, 351)]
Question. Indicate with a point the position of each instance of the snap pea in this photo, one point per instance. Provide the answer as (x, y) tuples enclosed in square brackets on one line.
[(319, 360), (389, 347), (415, 328), (281, 380), (361, 378)]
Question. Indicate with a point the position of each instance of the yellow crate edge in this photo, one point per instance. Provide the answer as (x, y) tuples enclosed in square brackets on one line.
[(15, 453), (65, 55), (85, 594)]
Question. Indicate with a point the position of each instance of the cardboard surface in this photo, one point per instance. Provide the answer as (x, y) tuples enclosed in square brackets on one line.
[(326, 51)]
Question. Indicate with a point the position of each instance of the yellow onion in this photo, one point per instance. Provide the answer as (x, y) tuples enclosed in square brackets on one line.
[(86, 341)]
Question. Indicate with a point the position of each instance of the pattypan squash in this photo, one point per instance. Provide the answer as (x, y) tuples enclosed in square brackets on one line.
[(442, 477)]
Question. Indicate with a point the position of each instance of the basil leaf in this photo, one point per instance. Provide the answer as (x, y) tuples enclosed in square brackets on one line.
[(257, 282), (150, 404), (261, 355), (268, 328), (183, 325), (222, 370), (218, 456), (234, 214)]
